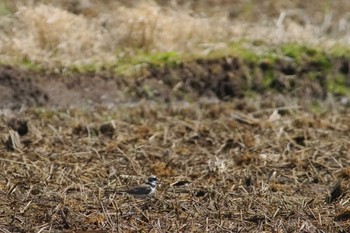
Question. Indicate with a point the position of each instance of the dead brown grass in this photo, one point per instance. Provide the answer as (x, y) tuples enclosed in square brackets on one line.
[(68, 33), (248, 170)]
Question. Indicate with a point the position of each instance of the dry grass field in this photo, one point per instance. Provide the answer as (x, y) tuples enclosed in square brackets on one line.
[(250, 167), (80, 32), (242, 142)]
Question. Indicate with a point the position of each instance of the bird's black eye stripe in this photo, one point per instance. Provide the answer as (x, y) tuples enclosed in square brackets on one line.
[(152, 179)]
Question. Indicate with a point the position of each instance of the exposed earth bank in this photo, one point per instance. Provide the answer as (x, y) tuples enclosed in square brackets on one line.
[(222, 78)]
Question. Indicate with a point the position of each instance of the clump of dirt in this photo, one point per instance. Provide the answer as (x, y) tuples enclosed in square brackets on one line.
[(19, 125)]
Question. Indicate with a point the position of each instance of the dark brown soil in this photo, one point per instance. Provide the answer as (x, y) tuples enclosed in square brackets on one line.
[(223, 79), (31, 88)]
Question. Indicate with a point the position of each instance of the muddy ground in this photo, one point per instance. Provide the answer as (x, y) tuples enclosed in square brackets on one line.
[(233, 153)]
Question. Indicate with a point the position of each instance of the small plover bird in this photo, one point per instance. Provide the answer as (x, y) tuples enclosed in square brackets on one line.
[(144, 190)]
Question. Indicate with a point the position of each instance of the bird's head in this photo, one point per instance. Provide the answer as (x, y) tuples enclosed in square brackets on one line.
[(153, 180)]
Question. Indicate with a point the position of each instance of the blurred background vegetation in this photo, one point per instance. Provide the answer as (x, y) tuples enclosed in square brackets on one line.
[(84, 32)]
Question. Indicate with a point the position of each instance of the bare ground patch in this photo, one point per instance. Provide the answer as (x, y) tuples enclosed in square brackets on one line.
[(216, 79)]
